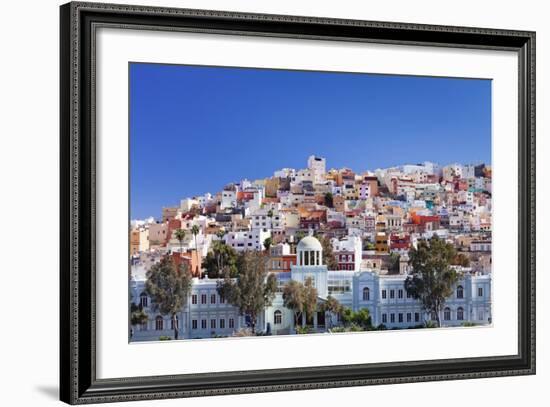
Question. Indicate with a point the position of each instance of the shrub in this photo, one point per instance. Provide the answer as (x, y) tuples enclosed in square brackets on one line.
[(302, 330), (243, 332)]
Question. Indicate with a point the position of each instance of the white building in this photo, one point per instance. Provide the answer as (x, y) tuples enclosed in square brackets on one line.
[(229, 199), (207, 315), (247, 240), (318, 167), (452, 170), (348, 252)]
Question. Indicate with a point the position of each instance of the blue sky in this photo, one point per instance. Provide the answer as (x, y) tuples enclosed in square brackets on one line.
[(194, 129)]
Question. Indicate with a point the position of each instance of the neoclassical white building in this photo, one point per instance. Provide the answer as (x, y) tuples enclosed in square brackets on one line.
[(207, 315)]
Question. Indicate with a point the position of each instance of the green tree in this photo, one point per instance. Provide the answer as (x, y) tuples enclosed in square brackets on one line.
[(333, 307), (168, 287), (299, 235), (310, 298), (268, 242), (329, 200), (393, 262), (195, 231), (329, 259), (368, 245), (180, 235), (433, 279), (137, 315), (293, 299), (221, 259), (360, 319), (301, 299), (461, 260), (254, 288)]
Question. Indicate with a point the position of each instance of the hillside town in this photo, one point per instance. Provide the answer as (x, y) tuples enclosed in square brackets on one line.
[(348, 236)]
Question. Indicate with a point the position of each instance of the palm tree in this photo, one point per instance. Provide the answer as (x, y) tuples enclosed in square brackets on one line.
[(195, 232), (180, 235), (333, 307), (220, 233), (270, 216), (268, 242)]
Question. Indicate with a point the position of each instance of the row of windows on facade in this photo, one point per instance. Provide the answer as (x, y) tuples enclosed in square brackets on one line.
[(159, 323), (278, 264), (242, 244), (459, 293), (333, 289), (144, 300), (447, 316)]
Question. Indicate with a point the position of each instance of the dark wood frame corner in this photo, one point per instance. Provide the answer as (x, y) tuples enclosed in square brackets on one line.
[(78, 380)]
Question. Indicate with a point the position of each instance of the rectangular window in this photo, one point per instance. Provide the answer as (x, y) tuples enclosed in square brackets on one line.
[(213, 299), (416, 317), (409, 295), (222, 300), (203, 299), (400, 294), (409, 317), (392, 318), (222, 323), (212, 324), (203, 324), (194, 324), (400, 317), (392, 293), (383, 294), (231, 323), (384, 318), (480, 291), (194, 299)]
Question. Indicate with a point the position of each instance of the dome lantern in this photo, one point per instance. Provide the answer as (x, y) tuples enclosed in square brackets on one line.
[(310, 252)]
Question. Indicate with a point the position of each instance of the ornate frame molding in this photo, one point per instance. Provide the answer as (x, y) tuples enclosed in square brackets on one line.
[(79, 384)]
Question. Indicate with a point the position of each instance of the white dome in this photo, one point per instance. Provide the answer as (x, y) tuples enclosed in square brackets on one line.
[(309, 243)]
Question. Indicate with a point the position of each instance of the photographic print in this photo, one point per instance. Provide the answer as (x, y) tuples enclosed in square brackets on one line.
[(271, 202)]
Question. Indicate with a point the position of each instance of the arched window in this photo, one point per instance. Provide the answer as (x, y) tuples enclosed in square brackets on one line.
[(366, 294), (277, 317), (143, 300), (460, 313), (447, 314), (459, 292), (177, 323), (159, 323)]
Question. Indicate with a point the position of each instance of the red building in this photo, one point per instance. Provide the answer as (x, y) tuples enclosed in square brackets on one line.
[(313, 219), (400, 243), (426, 222)]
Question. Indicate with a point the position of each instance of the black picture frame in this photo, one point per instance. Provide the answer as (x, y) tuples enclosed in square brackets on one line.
[(78, 382)]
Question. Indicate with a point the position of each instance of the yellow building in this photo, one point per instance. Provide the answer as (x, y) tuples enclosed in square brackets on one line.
[(381, 243)]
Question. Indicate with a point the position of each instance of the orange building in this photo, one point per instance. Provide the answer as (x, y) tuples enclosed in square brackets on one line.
[(134, 242), (191, 259), (280, 263)]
